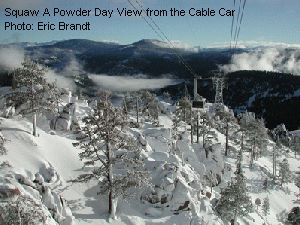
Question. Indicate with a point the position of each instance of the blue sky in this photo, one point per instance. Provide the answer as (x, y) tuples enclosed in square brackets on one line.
[(264, 21)]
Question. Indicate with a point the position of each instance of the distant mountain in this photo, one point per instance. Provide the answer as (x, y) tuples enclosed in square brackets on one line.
[(273, 96), (151, 57)]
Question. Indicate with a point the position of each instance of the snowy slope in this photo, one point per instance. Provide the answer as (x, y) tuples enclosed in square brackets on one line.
[(178, 176)]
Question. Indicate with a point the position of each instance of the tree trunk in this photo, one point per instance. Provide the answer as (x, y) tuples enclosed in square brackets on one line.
[(34, 124), (254, 150), (192, 134), (114, 208), (110, 173), (197, 128), (235, 216), (110, 202), (137, 110), (274, 163), (191, 119), (125, 106), (226, 144)]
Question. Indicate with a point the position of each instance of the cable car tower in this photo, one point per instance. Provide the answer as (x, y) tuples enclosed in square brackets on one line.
[(218, 85)]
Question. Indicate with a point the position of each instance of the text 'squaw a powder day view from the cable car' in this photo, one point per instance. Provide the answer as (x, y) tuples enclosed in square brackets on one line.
[(149, 112)]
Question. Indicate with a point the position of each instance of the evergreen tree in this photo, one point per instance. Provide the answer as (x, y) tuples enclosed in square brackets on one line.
[(206, 131), (293, 217), (297, 181), (284, 172), (256, 135), (32, 92), (184, 109), (224, 124), (266, 206), (295, 144), (3, 150), (276, 149), (257, 203), (131, 102), (23, 210), (281, 134), (234, 200), (211, 180), (114, 154), (149, 106)]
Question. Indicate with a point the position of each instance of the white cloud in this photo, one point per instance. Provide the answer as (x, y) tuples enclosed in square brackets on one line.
[(11, 57), (277, 59), (128, 83), (60, 80), (254, 44)]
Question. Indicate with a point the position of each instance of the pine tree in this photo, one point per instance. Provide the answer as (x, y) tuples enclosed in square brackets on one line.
[(150, 106), (225, 124), (256, 135), (266, 206), (184, 109), (234, 200), (24, 210), (297, 181), (114, 154), (175, 124), (257, 202), (284, 172), (206, 131), (276, 149), (295, 144), (211, 179), (54, 97), (32, 91), (3, 150)]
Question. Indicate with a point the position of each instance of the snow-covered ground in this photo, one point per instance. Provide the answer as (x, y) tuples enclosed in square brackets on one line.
[(180, 193)]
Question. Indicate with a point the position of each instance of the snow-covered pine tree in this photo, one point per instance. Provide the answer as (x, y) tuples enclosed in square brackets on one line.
[(54, 96), (184, 106), (3, 150), (150, 106), (234, 200), (167, 97), (297, 181), (32, 90), (266, 206), (257, 203), (205, 129), (131, 102), (256, 135), (128, 103), (224, 124), (211, 180), (176, 120), (293, 217), (23, 210), (115, 155), (285, 173), (276, 149), (295, 144), (281, 134)]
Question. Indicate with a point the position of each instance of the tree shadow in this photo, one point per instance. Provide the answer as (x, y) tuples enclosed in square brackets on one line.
[(282, 216), (97, 204), (256, 185), (14, 129), (297, 201)]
